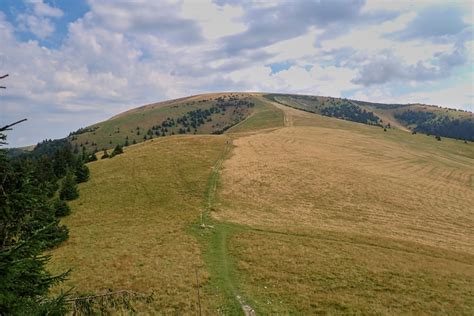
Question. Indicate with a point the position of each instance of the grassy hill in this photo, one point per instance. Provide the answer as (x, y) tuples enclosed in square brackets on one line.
[(203, 114), (286, 212), (215, 113), (428, 119)]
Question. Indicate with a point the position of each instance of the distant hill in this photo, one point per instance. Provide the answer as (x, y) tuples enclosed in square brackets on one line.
[(428, 119), (203, 114), (217, 112)]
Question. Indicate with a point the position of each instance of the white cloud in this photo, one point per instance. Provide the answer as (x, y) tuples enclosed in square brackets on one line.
[(41, 27), (44, 9), (216, 21), (38, 20), (460, 96)]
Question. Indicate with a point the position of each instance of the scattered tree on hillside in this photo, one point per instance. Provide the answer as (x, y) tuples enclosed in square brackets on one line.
[(117, 151), (68, 189), (91, 157), (105, 154), (82, 173)]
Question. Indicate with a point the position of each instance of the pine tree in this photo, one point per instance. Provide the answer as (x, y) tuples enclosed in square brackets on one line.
[(82, 173), (61, 208), (117, 151), (105, 155), (68, 189), (27, 228), (92, 157)]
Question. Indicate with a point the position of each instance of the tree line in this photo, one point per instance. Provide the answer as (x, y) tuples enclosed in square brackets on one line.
[(439, 125), (351, 112), (34, 191)]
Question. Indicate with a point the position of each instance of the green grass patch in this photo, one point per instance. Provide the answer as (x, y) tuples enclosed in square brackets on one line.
[(264, 116)]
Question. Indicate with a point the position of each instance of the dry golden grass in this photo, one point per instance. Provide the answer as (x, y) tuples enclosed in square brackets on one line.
[(321, 177), (337, 273), (347, 180), (130, 227), (326, 216)]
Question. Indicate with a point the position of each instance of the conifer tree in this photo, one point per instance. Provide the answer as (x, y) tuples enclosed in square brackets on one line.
[(68, 189), (117, 151), (82, 173), (92, 157), (61, 208), (105, 155)]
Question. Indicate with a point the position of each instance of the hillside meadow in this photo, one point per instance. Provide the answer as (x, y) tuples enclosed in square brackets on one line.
[(287, 212)]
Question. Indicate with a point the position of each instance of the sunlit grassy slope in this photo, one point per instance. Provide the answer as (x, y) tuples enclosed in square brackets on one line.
[(304, 214), (342, 217), (135, 124), (129, 229)]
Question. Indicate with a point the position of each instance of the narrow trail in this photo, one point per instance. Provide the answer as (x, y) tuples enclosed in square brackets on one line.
[(221, 233), (288, 115)]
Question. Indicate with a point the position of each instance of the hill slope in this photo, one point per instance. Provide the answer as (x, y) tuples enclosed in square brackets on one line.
[(422, 118), (215, 113), (203, 114), (287, 212)]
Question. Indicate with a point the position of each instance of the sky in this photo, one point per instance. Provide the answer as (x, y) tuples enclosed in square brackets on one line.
[(75, 63)]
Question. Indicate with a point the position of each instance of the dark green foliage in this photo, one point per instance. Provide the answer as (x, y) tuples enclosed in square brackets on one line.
[(48, 147), (84, 130), (117, 151), (351, 112), (430, 123), (63, 158), (105, 155), (28, 226), (414, 117), (68, 189), (91, 157), (61, 208), (196, 118), (82, 173)]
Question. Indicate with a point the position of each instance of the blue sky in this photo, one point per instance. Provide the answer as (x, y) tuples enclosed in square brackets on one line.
[(74, 63)]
